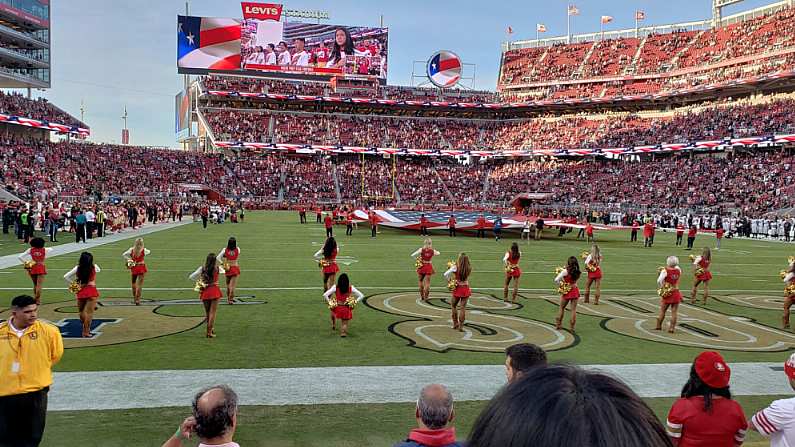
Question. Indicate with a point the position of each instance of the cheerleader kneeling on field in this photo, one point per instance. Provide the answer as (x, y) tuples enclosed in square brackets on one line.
[(341, 303), (569, 292), (458, 282)]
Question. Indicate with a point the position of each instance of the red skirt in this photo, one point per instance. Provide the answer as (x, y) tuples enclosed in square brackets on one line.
[(138, 269), (462, 292), (596, 274), (233, 271), (333, 268), (426, 269), (574, 294), (38, 269), (706, 276), (342, 313), (514, 273), (211, 292), (674, 297), (88, 293)]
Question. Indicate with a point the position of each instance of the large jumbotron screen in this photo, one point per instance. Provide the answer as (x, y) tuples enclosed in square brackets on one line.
[(254, 45)]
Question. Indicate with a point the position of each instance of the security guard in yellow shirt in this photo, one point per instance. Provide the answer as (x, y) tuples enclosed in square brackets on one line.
[(28, 350)]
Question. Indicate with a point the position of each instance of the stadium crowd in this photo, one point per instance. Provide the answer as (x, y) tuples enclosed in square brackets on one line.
[(39, 109)]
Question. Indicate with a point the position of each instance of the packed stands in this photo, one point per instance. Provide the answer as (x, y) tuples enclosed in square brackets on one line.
[(39, 109)]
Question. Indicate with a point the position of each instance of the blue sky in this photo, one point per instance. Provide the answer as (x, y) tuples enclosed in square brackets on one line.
[(116, 54)]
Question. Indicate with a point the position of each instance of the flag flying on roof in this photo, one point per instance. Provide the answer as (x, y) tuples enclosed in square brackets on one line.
[(640, 15), (541, 28), (510, 30), (208, 42), (573, 11), (607, 19)]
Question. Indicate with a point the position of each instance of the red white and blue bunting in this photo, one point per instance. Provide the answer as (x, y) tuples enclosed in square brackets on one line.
[(55, 127)]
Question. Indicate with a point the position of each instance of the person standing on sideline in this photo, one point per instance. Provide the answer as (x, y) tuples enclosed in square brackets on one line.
[(100, 222), (497, 228), (680, 231), (328, 222), (539, 228), (349, 223), (80, 223), (691, 237), (205, 213), (373, 224), (27, 355), (214, 419), (719, 236), (777, 421), (53, 216), (633, 237), (705, 414), (434, 413), (481, 226), (423, 225), (91, 220), (318, 214), (451, 225)]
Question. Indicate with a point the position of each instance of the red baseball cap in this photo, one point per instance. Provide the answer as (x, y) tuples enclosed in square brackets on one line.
[(789, 367), (713, 370)]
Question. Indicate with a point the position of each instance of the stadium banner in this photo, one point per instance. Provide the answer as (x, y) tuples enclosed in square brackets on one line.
[(46, 125), (182, 115), (258, 43), (261, 11)]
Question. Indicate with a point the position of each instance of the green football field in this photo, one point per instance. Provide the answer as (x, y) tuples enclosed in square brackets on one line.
[(285, 323)]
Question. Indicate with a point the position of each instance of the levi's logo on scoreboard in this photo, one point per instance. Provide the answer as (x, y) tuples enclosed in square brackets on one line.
[(262, 11)]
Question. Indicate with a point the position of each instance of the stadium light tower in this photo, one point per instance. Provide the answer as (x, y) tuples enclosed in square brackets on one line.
[(717, 10)]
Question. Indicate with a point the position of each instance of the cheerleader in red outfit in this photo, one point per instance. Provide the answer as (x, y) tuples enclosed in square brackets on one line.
[(206, 278), (327, 259), (593, 264), (228, 259), (458, 277), (789, 290), (341, 304), (670, 296), (135, 262), (33, 260), (424, 266), (569, 292), (512, 271), (702, 273), (82, 281)]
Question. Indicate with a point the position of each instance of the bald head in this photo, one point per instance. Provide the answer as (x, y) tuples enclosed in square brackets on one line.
[(435, 406), (215, 410)]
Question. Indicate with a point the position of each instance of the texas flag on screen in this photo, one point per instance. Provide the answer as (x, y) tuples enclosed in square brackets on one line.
[(208, 42), (444, 69)]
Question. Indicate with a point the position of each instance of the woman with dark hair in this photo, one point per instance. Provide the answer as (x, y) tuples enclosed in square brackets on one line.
[(82, 282), (706, 415), (228, 258), (512, 271), (342, 304), (206, 278), (569, 292), (342, 47), (135, 257), (788, 276), (327, 260), (702, 273), (424, 267), (564, 406), (458, 277), (593, 264), (33, 260)]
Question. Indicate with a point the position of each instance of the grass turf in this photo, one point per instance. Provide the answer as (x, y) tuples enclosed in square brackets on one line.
[(290, 426), (291, 329)]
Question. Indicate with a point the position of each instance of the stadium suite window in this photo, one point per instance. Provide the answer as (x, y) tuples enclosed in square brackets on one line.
[(34, 7)]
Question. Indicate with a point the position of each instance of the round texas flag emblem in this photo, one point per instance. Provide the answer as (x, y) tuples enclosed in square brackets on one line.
[(444, 69)]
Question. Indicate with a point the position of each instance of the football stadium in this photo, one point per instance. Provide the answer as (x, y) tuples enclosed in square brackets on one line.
[(594, 251)]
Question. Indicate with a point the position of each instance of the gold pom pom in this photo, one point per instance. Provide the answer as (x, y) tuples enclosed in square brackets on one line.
[(699, 271), (226, 265), (351, 302), (29, 265), (131, 263), (332, 303), (450, 264), (323, 263), (585, 254), (200, 286), (692, 257), (789, 291), (74, 287), (666, 290), (791, 259), (510, 267), (782, 274), (452, 284), (558, 270), (564, 288), (418, 263)]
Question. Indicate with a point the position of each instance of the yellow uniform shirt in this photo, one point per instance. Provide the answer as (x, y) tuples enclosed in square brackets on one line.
[(26, 362)]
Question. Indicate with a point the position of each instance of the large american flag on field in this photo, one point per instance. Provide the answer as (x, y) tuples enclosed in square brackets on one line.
[(208, 42)]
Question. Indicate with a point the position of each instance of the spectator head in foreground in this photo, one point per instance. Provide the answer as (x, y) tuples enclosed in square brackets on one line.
[(562, 405), (777, 421), (214, 418), (521, 358), (434, 414)]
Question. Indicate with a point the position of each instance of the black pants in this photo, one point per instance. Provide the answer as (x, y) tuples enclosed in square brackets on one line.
[(329, 231), (317, 218), (80, 233), (349, 230), (302, 216), (581, 233), (451, 230), (90, 229), (5, 227), (22, 418), (53, 232), (100, 229), (424, 231), (372, 230), (690, 241), (131, 222), (678, 239), (481, 232), (204, 221), (497, 234)]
